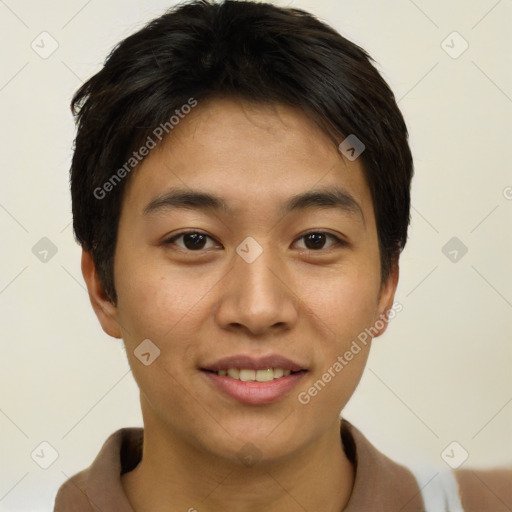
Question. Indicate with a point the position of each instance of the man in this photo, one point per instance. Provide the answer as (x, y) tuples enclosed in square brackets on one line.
[(240, 189)]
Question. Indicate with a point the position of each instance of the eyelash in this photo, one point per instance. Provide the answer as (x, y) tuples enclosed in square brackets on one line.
[(337, 241)]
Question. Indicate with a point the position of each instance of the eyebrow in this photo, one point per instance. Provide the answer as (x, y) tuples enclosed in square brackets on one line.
[(328, 197)]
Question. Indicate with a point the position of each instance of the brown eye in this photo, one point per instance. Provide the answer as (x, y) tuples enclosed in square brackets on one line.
[(191, 240), (315, 240)]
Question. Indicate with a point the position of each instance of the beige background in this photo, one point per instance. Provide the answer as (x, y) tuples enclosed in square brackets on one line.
[(441, 373)]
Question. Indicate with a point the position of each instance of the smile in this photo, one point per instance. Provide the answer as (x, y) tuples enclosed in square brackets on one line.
[(249, 375)]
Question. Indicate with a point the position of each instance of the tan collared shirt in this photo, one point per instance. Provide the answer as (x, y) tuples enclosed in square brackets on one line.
[(380, 484)]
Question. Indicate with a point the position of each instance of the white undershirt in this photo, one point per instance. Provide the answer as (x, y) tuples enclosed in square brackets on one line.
[(439, 489)]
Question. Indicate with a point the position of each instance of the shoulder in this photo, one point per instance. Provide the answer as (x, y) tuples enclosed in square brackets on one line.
[(100, 484), (380, 484), (416, 488), (72, 494), (485, 490)]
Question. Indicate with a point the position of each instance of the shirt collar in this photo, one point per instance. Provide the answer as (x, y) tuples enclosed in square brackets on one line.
[(380, 484)]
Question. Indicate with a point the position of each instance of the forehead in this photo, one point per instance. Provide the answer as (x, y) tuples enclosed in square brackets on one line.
[(249, 155)]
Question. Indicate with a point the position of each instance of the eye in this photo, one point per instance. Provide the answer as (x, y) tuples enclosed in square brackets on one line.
[(192, 240), (195, 241), (315, 240)]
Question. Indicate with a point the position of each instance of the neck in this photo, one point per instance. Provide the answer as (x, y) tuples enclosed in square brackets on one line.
[(172, 475)]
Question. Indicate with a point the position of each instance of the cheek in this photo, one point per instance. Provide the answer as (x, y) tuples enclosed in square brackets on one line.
[(344, 301), (154, 300), (342, 308), (162, 310), (173, 310)]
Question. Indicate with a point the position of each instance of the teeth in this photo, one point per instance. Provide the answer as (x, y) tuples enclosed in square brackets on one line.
[(265, 375), (278, 372), (247, 375), (234, 373)]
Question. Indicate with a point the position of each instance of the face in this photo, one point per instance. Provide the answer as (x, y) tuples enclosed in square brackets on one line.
[(277, 268)]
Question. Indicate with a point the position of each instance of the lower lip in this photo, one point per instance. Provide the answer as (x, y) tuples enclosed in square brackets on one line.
[(253, 392)]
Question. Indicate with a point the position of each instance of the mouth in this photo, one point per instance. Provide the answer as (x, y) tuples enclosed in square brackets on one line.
[(249, 375), (254, 381)]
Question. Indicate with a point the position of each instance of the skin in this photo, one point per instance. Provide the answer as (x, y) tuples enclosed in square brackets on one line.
[(197, 306)]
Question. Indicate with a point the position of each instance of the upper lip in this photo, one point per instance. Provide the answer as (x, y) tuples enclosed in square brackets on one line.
[(254, 363)]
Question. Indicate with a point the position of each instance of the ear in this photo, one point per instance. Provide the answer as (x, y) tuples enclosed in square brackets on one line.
[(386, 300), (105, 310)]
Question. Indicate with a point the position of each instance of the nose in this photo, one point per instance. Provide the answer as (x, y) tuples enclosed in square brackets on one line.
[(257, 296)]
